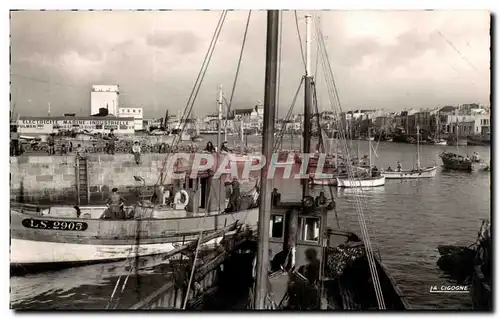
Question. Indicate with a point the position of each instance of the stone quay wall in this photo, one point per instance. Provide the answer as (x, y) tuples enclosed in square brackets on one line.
[(45, 179)]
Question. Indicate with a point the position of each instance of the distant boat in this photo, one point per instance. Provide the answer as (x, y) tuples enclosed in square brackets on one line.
[(440, 142), (371, 180), (427, 172), (453, 142), (361, 182), (437, 139), (456, 162)]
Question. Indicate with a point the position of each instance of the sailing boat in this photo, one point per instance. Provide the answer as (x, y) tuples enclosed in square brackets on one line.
[(419, 172), (369, 179), (437, 139), (293, 236)]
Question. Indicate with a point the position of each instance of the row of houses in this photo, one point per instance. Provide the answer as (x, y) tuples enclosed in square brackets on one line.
[(468, 120)]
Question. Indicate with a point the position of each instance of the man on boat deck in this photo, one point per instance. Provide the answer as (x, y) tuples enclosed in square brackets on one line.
[(234, 200), (399, 168), (224, 148), (115, 202)]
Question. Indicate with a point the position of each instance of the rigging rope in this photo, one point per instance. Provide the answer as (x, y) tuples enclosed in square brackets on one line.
[(278, 79), (300, 42), (279, 140), (220, 191), (238, 66), (334, 99), (190, 104)]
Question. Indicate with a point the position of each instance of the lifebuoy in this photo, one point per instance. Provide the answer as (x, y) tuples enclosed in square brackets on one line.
[(178, 195)]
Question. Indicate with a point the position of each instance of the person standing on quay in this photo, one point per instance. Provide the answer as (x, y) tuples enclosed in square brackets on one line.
[(111, 147), (136, 149), (14, 141), (52, 149)]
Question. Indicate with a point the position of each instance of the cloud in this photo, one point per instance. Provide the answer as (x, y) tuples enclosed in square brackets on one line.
[(183, 42), (394, 58)]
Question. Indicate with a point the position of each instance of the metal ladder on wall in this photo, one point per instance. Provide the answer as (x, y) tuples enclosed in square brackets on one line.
[(82, 177)]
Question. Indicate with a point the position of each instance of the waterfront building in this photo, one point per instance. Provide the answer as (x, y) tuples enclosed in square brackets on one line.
[(105, 97), (136, 113), (383, 123)]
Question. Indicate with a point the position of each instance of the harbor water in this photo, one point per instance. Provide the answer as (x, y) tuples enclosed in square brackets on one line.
[(407, 220)]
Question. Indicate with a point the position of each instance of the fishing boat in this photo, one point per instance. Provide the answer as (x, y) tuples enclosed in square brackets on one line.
[(419, 172), (455, 161), (311, 265), (62, 236)]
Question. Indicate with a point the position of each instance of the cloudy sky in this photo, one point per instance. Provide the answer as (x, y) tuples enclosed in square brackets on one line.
[(381, 59)]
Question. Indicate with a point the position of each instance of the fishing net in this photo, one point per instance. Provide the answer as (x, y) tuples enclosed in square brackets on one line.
[(338, 259)]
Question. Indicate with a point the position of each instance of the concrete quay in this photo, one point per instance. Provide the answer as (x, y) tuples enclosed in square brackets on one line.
[(52, 179)]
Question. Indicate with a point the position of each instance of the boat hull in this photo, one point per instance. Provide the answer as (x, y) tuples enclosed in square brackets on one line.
[(480, 291), (372, 182), (461, 142), (325, 182), (58, 240), (427, 172), (32, 253), (442, 143), (457, 165)]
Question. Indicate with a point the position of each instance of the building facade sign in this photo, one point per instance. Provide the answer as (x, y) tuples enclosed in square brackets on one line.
[(47, 126)]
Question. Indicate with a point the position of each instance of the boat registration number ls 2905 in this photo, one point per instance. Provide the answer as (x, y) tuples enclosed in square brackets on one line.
[(54, 225)]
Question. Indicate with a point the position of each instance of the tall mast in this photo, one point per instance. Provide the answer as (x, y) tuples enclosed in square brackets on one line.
[(225, 123), (242, 136), (307, 101), (267, 149), (437, 126), (165, 121), (219, 104), (369, 152), (456, 124), (418, 146)]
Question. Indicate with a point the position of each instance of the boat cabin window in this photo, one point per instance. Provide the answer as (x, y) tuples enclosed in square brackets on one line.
[(276, 226), (309, 229)]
